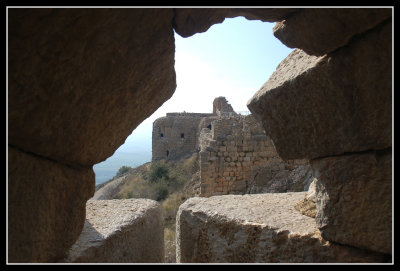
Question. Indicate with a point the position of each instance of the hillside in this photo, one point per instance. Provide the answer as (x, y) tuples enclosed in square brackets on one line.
[(169, 182)]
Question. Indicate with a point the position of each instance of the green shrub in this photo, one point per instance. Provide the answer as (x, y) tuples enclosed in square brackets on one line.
[(158, 170), (161, 193), (122, 170)]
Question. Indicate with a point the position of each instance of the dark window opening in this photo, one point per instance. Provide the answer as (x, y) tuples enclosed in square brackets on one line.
[(161, 135), (209, 126), (167, 153), (182, 135)]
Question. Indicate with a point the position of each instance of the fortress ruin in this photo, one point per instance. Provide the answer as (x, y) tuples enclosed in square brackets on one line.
[(236, 155), (80, 80)]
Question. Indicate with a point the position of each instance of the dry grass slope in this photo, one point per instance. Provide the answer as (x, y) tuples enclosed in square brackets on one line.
[(169, 182)]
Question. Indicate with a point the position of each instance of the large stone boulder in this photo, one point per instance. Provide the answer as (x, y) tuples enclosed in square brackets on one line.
[(354, 199), (46, 206), (342, 102), (318, 31), (262, 228), (120, 231), (189, 21), (81, 80)]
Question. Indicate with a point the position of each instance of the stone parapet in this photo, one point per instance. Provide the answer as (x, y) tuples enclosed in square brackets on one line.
[(262, 228), (354, 199), (120, 231)]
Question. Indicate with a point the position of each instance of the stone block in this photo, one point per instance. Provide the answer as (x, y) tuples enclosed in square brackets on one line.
[(318, 31), (260, 228), (321, 106), (354, 199), (307, 205), (46, 207), (120, 231), (189, 21), (82, 79)]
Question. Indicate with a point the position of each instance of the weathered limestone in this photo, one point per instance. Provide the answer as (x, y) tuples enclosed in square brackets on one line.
[(177, 134), (307, 206), (318, 31), (236, 157), (120, 231), (256, 228), (46, 206), (80, 80), (318, 106), (189, 21), (221, 105), (354, 199)]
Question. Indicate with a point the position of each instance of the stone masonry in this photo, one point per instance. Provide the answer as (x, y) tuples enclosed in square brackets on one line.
[(177, 134), (261, 228), (236, 156), (120, 231), (80, 80)]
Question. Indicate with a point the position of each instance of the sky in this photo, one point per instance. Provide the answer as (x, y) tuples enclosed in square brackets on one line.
[(232, 59)]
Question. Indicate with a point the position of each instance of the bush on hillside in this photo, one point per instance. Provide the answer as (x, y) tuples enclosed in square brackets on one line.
[(157, 172), (123, 170)]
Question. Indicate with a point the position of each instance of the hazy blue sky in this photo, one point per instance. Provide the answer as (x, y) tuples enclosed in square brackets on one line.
[(232, 59)]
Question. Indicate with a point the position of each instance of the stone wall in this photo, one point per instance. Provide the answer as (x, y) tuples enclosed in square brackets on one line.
[(81, 80), (236, 156), (346, 127), (177, 134), (120, 231), (221, 105), (262, 228)]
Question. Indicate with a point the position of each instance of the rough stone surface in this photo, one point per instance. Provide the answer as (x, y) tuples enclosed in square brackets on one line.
[(46, 206), (318, 31), (354, 199), (177, 134), (221, 105), (189, 21), (236, 157), (320, 106), (255, 228), (81, 79), (120, 231), (307, 206)]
